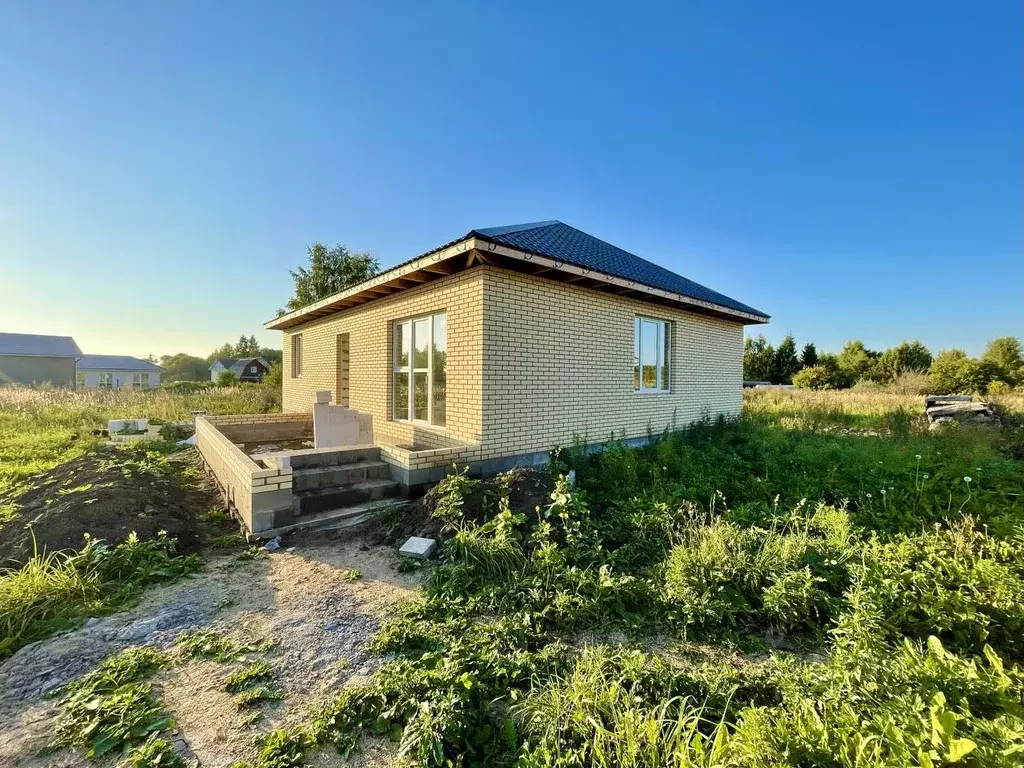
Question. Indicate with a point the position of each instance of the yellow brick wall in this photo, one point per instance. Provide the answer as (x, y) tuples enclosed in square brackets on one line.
[(370, 359), (558, 363)]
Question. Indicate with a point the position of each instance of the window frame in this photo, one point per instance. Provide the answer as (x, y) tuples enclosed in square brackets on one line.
[(410, 369), (296, 356), (140, 380), (105, 380), (663, 357)]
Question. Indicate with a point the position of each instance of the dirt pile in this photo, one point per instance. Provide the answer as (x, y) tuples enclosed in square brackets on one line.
[(107, 494), (527, 489)]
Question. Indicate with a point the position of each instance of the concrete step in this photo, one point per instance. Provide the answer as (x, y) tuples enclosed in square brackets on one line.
[(323, 478), (315, 501), (310, 458), (335, 519)]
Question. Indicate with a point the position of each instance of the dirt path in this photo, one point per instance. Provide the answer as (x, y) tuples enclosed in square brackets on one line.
[(320, 620)]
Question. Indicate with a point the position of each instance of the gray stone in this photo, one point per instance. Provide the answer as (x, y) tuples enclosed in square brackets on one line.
[(418, 547)]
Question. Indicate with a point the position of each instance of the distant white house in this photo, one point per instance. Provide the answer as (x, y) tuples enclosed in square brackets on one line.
[(117, 371)]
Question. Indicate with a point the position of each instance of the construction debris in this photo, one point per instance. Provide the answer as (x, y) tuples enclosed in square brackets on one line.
[(418, 548), (962, 409)]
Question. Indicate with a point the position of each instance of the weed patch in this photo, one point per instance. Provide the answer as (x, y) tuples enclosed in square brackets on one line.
[(112, 708), (53, 591)]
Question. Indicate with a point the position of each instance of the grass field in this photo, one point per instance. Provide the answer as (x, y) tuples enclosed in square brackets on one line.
[(42, 428), (822, 582)]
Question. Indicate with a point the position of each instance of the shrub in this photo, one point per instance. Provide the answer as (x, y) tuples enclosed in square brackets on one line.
[(227, 379), (998, 388), (274, 377), (814, 377)]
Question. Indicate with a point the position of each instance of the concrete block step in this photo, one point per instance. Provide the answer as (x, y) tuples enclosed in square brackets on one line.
[(312, 502), (322, 478), (336, 519), (310, 458)]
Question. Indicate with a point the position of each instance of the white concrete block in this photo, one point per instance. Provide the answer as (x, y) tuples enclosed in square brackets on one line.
[(334, 426), (418, 548)]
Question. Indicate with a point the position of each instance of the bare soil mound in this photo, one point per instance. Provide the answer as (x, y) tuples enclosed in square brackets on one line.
[(108, 494)]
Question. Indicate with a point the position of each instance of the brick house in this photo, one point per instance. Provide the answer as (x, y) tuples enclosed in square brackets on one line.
[(506, 342)]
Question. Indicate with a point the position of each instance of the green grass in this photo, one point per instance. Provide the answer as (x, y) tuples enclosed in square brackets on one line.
[(839, 526), (40, 428), (56, 590)]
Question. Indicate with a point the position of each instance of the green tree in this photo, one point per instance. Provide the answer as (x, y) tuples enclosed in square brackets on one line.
[(183, 367), (272, 356), (246, 347), (857, 361), (1006, 356), (227, 379), (758, 356), (903, 358), (784, 361), (330, 270), (809, 355), (954, 372)]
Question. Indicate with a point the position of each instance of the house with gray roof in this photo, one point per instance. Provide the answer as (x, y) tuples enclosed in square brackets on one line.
[(251, 369), (117, 371), (27, 358), (506, 341)]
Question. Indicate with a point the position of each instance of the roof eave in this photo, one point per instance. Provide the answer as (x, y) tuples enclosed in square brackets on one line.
[(484, 246)]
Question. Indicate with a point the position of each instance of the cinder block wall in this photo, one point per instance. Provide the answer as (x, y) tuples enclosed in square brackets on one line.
[(558, 363), (264, 427), (261, 497), (370, 343)]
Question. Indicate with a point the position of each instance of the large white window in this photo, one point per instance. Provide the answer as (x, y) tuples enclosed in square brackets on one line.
[(140, 380), (421, 369), (652, 351), (105, 380)]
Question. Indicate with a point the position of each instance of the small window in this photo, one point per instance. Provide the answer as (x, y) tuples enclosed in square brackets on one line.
[(296, 355), (252, 369), (652, 351), (140, 380), (105, 380)]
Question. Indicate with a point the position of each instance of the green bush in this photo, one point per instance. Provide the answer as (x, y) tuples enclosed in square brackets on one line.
[(227, 379)]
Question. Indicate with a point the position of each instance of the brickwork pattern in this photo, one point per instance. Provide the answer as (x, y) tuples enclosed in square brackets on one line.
[(532, 364), (369, 332), (558, 365)]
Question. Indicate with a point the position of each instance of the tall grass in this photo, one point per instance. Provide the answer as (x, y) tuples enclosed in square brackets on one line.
[(55, 590), (40, 429)]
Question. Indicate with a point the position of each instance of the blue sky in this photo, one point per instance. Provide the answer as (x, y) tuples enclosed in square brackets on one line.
[(162, 165)]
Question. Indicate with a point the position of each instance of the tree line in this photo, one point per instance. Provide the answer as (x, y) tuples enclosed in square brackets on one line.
[(999, 369), (185, 367)]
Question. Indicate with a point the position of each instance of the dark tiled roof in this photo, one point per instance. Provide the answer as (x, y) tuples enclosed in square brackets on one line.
[(31, 344), (560, 241), (227, 362), (115, 363)]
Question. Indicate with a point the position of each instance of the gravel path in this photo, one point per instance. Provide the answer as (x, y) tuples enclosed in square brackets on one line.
[(299, 598)]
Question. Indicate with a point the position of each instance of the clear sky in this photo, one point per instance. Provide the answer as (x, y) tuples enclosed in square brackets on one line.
[(163, 164)]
